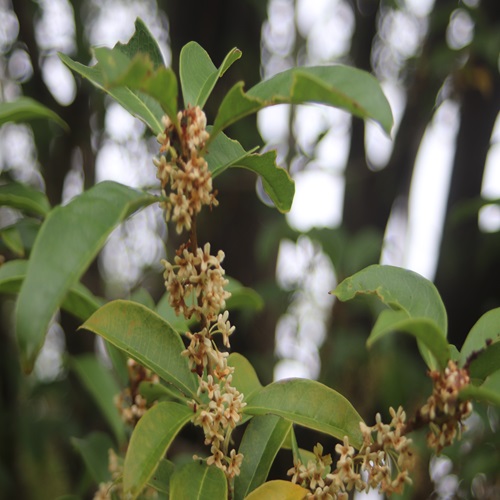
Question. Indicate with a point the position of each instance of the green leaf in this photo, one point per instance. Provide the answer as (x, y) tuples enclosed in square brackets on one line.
[(25, 109), (167, 312), (135, 102), (24, 198), (244, 377), (160, 480), (142, 296), (423, 329), (225, 152), (25, 230), (68, 241), (142, 42), (150, 440), (488, 392), (486, 329), (198, 481), (486, 362), (350, 89), (79, 301), (311, 404), (260, 444), (102, 386), (242, 297), (198, 73), (284, 490), (12, 239), (401, 290), (147, 338), (94, 450), (139, 74)]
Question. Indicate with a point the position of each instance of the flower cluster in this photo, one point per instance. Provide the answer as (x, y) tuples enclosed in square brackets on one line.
[(444, 411), (130, 403), (182, 167), (218, 418), (384, 463), (195, 284)]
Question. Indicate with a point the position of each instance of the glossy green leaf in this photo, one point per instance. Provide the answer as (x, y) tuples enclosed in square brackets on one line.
[(98, 380), (26, 230), (311, 404), (24, 198), (260, 444), (284, 490), (401, 290), (94, 450), (139, 104), (486, 330), (150, 440), (68, 241), (159, 392), (423, 329), (26, 109), (224, 153), (198, 481), (350, 89), (147, 338), (244, 377), (198, 73)]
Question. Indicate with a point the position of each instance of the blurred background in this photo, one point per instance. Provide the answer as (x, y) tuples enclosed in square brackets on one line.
[(425, 199)]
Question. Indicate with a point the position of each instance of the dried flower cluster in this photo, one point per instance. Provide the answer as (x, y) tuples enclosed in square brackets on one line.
[(181, 168), (195, 284), (130, 403), (384, 463), (444, 411)]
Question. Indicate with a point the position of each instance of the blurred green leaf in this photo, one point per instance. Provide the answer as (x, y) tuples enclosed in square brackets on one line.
[(198, 480), (143, 42), (94, 450), (98, 380), (284, 490), (225, 153), (242, 297), (11, 237), (401, 290), (26, 109), (135, 102), (198, 73), (260, 444), (79, 301), (244, 377), (68, 241), (142, 296), (24, 198), (311, 404), (485, 330), (160, 480), (488, 392), (167, 312), (147, 338), (150, 440), (423, 329), (134, 74), (350, 89), (486, 362)]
